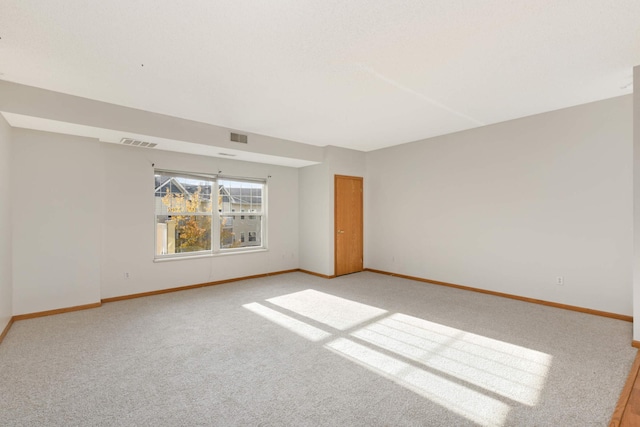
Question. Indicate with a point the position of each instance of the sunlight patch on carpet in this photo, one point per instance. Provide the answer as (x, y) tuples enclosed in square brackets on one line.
[(294, 325), (339, 313), (474, 376), (509, 370), (472, 405)]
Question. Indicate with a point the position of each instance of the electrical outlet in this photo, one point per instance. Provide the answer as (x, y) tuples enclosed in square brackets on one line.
[(560, 280), (126, 275)]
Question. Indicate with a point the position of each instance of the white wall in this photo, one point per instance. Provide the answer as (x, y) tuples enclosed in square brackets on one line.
[(317, 206), (83, 215), (506, 207), (6, 298), (636, 197), (315, 220), (45, 104), (129, 223), (510, 207), (57, 215)]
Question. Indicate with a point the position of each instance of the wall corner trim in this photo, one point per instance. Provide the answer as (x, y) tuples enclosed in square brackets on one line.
[(6, 329)]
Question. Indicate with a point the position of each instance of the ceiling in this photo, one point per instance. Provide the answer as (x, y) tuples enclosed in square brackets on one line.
[(360, 74)]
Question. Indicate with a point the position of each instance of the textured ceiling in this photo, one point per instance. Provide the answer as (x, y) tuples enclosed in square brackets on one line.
[(361, 74)]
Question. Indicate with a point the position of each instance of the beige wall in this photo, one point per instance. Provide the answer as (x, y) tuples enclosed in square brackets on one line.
[(636, 198), (510, 207), (6, 293), (507, 207), (317, 206), (128, 235), (86, 217), (57, 217), (41, 103)]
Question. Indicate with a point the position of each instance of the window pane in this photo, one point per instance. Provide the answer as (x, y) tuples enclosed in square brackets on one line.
[(177, 234), (182, 195), (233, 230), (239, 196)]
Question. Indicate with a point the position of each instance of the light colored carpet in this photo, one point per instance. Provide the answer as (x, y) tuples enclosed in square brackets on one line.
[(297, 350)]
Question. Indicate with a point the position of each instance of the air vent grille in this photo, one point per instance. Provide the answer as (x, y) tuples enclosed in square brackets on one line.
[(137, 143), (238, 137)]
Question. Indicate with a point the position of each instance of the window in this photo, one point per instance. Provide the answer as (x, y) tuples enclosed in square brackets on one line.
[(187, 223), (241, 196)]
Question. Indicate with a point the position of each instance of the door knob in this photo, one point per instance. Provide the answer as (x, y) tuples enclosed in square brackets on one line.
[(340, 231)]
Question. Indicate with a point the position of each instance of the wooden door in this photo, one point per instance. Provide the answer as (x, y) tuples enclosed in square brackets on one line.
[(348, 225)]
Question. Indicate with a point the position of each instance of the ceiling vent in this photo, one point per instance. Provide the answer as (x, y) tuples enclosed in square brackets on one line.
[(137, 143), (238, 137)]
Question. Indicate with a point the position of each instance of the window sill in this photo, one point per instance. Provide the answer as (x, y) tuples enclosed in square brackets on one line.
[(216, 255)]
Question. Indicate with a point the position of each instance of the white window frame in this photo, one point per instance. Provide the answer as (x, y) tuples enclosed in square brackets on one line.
[(216, 248)]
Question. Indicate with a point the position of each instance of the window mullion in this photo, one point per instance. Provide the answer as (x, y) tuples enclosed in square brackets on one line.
[(215, 219)]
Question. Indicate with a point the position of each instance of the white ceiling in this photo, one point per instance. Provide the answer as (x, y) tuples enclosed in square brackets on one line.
[(361, 74)]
